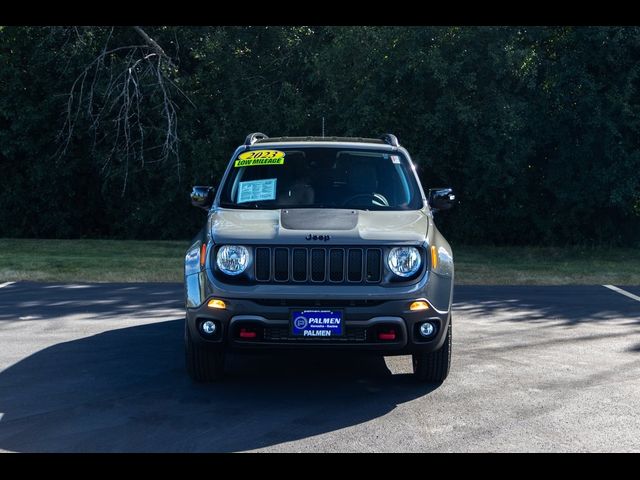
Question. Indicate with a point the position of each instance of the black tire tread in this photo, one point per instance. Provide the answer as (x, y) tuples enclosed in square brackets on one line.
[(434, 366), (203, 364)]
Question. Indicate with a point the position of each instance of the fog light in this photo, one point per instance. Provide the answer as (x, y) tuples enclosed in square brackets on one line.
[(208, 327), (427, 329), (419, 305), (215, 303)]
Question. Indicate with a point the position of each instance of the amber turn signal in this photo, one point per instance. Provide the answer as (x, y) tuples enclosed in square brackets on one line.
[(203, 254), (216, 303), (434, 257), (419, 305)]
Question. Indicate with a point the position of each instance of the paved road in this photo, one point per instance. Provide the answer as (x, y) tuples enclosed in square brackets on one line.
[(100, 368)]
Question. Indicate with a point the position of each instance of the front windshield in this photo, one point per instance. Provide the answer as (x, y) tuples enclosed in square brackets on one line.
[(321, 177)]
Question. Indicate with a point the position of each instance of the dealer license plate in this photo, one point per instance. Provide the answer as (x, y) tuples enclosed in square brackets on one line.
[(316, 323)]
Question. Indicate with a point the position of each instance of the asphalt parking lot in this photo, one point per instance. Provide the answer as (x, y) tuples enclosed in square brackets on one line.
[(99, 368)]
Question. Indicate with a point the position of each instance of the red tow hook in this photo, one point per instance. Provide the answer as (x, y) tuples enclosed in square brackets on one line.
[(246, 333), (387, 335)]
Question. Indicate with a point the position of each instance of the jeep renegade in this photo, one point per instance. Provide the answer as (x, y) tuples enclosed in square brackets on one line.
[(319, 243)]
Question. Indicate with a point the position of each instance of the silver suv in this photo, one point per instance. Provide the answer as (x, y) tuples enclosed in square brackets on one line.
[(319, 243)]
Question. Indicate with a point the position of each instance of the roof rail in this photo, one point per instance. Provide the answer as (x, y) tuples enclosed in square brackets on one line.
[(319, 139), (252, 137), (390, 139)]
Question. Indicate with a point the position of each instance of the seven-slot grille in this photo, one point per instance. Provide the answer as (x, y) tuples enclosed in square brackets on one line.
[(318, 264)]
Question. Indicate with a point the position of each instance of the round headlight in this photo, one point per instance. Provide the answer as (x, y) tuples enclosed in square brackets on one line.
[(404, 261), (232, 259)]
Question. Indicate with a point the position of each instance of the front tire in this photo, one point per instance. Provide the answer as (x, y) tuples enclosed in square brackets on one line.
[(203, 364), (433, 367)]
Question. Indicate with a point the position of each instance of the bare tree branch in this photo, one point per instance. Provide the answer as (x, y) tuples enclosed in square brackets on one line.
[(126, 94), (154, 45)]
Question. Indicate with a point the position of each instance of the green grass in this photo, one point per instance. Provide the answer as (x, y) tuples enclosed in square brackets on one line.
[(546, 265), (91, 260), (161, 261)]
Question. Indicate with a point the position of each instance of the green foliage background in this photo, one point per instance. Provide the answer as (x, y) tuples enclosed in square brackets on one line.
[(536, 128)]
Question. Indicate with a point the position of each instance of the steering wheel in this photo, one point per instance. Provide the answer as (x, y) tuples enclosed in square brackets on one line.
[(372, 196)]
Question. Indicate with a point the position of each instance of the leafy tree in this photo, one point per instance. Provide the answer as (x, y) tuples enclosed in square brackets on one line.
[(103, 130)]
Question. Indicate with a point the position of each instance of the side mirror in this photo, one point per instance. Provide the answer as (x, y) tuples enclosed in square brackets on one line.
[(441, 199), (202, 197)]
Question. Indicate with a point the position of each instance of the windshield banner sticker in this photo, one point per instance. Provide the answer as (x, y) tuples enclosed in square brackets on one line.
[(260, 157), (257, 190)]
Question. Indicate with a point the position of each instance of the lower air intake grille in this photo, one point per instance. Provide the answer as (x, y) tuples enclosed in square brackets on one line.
[(282, 334)]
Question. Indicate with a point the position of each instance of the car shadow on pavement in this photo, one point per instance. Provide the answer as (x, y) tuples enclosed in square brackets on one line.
[(127, 390)]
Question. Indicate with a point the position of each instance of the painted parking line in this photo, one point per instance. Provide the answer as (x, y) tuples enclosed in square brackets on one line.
[(622, 292), (6, 284)]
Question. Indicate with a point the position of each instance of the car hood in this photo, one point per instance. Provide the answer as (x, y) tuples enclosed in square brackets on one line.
[(318, 226)]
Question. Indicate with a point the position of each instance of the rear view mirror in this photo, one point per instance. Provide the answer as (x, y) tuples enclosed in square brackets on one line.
[(202, 197), (441, 199)]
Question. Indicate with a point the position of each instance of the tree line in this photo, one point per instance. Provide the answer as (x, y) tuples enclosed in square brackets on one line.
[(103, 130)]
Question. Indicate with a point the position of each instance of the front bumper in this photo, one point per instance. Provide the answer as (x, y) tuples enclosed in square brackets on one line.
[(362, 319)]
